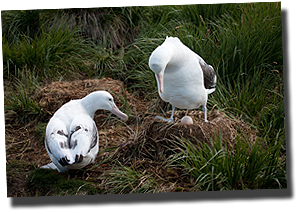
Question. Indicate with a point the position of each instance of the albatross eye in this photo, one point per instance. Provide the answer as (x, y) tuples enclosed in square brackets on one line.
[(110, 99)]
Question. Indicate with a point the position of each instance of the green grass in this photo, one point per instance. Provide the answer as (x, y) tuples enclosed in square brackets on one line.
[(125, 179), (243, 42), (19, 23), (21, 104), (45, 182), (246, 167), (54, 53)]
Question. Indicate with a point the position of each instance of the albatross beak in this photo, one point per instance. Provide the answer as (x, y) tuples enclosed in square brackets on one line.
[(118, 113), (160, 79)]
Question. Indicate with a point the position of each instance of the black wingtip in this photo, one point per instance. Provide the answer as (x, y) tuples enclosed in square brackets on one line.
[(78, 158), (64, 161)]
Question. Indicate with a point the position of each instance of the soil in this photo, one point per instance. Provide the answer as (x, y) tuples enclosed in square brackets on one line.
[(141, 142)]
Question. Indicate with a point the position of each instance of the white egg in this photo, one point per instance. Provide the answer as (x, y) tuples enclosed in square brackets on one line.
[(187, 120)]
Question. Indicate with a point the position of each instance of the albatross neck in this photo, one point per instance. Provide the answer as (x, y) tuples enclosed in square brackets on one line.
[(91, 103)]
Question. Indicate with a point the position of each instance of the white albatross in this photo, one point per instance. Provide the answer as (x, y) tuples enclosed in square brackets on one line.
[(184, 79), (72, 140)]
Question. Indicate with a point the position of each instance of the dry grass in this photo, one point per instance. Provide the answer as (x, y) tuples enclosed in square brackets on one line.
[(54, 95), (155, 139)]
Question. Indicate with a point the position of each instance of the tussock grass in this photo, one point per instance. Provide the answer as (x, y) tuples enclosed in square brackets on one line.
[(246, 167), (125, 179), (16, 24), (243, 42), (109, 27), (54, 53), (20, 103)]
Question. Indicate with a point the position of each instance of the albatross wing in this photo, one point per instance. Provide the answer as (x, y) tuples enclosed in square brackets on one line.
[(84, 141), (210, 77)]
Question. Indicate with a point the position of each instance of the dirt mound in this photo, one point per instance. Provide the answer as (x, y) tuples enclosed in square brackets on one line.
[(54, 95), (155, 136)]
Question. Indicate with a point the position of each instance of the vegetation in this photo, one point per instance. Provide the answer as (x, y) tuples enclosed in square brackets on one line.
[(243, 42)]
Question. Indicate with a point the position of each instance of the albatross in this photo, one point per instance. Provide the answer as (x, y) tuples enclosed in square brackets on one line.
[(72, 139), (184, 79)]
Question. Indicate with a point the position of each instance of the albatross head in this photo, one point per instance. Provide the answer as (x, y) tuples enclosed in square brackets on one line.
[(161, 57), (104, 100), (158, 67), (109, 104), (158, 62)]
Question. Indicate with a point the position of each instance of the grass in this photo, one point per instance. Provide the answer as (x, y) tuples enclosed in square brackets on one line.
[(128, 180), (243, 42), (246, 167), (54, 53), (45, 182), (25, 22), (21, 105), (109, 27)]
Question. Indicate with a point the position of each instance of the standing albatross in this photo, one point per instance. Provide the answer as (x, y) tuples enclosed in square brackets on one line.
[(72, 140), (184, 79)]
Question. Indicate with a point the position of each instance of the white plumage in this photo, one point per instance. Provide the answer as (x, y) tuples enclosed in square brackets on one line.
[(184, 79), (72, 140)]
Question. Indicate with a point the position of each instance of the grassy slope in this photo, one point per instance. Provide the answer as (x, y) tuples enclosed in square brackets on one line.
[(242, 41)]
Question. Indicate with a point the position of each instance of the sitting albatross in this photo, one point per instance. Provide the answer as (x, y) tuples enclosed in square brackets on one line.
[(72, 140), (184, 79)]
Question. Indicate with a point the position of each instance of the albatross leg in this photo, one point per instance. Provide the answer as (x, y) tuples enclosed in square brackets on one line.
[(186, 113), (170, 120), (205, 116)]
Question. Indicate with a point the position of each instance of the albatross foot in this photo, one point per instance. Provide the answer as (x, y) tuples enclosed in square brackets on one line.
[(170, 120)]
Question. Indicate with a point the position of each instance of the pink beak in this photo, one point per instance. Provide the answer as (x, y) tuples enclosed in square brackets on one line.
[(118, 113), (160, 79)]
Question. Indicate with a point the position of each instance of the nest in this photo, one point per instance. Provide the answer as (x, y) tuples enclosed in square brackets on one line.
[(54, 95), (155, 137)]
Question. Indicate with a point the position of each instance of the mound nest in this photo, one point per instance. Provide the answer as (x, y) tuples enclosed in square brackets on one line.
[(54, 95), (155, 137)]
